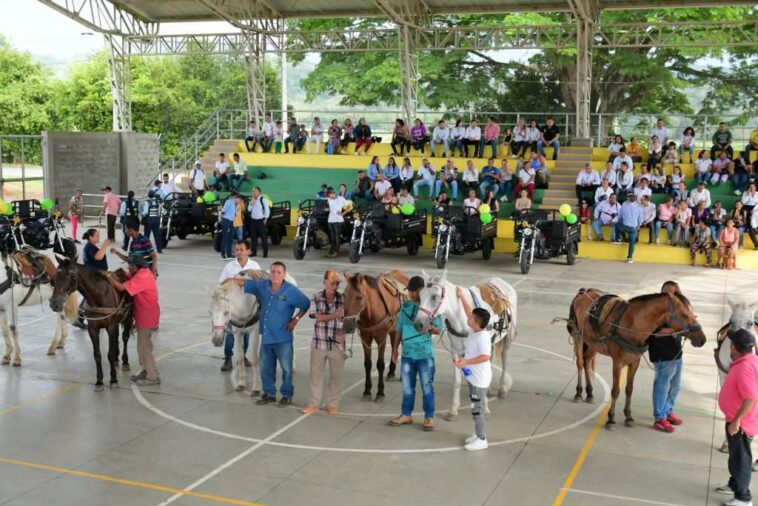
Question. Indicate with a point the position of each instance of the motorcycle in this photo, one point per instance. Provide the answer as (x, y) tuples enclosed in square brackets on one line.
[(37, 234), (543, 238)]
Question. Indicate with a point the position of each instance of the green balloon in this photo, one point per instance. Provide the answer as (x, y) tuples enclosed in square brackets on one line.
[(8, 211), (46, 204), (571, 218), (486, 218), (407, 209), (209, 197)]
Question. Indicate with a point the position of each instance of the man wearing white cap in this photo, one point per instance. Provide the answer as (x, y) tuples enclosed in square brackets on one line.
[(199, 182)]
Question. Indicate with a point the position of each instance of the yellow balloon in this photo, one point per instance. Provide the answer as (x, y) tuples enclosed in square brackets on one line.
[(395, 210), (484, 209), (565, 210)]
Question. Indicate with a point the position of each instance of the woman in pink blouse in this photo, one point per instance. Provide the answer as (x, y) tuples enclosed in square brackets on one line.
[(728, 244)]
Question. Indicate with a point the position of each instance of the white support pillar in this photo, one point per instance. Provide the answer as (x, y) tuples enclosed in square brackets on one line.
[(586, 14), (283, 71), (409, 74), (120, 81), (256, 78)]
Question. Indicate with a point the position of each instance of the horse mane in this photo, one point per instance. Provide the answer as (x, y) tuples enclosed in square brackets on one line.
[(370, 281), (654, 296)]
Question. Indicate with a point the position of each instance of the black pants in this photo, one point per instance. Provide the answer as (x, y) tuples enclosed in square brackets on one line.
[(258, 229), (110, 220), (715, 150), (753, 238), (247, 144), (347, 139), (579, 189), (404, 143), (518, 148), (467, 143), (334, 237), (740, 464), (153, 226), (222, 179)]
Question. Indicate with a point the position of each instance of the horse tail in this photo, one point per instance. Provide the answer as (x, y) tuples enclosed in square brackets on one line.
[(572, 327), (71, 308), (497, 350)]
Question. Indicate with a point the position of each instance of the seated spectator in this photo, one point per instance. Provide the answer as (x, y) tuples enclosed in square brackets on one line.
[(440, 137), (519, 143), (671, 156), (550, 136), (702, 166), (334, 133), (642, 190), (585, 218), (701, 241), (699, 213), (602, 192), (364, 187), (587, 180), (682, 219), (658, 181), (741, 221), (448, 178), (533, 135), (457, 138), (269, 131), (648, 217), (491, 200), (717, 220), (323, 193), (720, 169), (523, 202), (526, 177), (749, 200), (427, 175), (363, 137), (316, 136), (623, 157), (614, 148), (752, 144), (687, 143), (490, 178), (700, 194), (342, 192), (221, 173), (739, 173), (348, 131), (471, 204), (470, 177), (442, 202), (644, 174), (392, 173), (374, 169), (606, 215), (681, 194), (254, 135), (293, 129), (624, 180), (302, 138), (507, 139), (405, 197), (390, 201), (660, 131), (407, 174), (506, 180), (677, 176), (722, 141), (401, 136), (278, 137), (472, 137), (728, 244), (666, 218), (539, 164), (634, 150), (489, 137), (419, 136), (654, 152), (610, 174), (381, 186)]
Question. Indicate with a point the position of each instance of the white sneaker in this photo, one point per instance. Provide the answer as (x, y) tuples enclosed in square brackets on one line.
[(355, 153), (477, 444), (657, 241), (473, 437), (504, 198), (628, 260), (737, 192), (737, 502), (724, 489)]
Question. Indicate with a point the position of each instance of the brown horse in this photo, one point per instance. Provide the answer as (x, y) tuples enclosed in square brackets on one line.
[(609, 325), (371, 307), (103, 306)]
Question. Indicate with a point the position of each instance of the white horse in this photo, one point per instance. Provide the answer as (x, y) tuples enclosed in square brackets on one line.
[(439, 298), (12, 297), (232, 310)]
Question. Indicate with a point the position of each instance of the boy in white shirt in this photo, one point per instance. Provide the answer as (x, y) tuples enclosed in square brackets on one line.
[(278, 137), (269, 129), (477, 368), (440, 136)]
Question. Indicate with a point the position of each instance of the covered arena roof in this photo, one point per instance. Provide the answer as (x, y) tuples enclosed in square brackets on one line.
[(168, 11)]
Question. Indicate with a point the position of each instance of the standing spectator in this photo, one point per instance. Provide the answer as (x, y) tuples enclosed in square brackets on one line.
[(457, 138), (472, 138), (278, 300), (419, 136), (364, 188), (260, 211), (648, 217), (336, 219), (222, 167), (448, 178), (490, 178), (392, 173), (477, 361), (660, 131), (348, 131), (629, 223), (533, 136), (327, 346), (666, 218), (603, 192), (614, 148), (490, 136), (198, 181), (737, 400), (587, 180), (683, 217), (293, 130), (400, 136), (76, 213), (526, 176), (417, 357), (606, 215), (722, 141), (140, 245), (151, 219), (728, 244), (269, 129), (111, 208), (427, 175), (241, 262), (278, 137), (634, 150), (143, 289), (470, 178), (226, 217), (254, 135), (315, 136), (701, 241), (549, 135), (687, 142), (654, 152), (363, 137), (440, 137), (129, 209), (334, 135)]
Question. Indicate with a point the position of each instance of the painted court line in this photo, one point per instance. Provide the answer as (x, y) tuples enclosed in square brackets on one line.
[(620, 497), (122, 481), (35, 400)]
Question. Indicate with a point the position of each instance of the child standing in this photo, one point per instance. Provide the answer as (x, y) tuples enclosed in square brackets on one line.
[(477, 368)]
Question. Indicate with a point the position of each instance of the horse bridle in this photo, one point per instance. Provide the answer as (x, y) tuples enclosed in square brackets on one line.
[(357, 316), (675, 318), (433, 313)]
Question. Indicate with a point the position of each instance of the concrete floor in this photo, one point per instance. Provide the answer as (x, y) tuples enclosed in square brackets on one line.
[(194, 440)]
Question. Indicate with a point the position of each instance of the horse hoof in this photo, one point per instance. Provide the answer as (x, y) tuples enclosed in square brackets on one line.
[(50, 352), (629, 422), (610, 424), (113, 384), (501, 394), (17, 363), (240, 388), (578, 398), (391, 377), (125, 367), (6, 360), (255, 393), (99, 388), (366, 397), (59, 347), (379, 398), (451, 417), (590, 400)]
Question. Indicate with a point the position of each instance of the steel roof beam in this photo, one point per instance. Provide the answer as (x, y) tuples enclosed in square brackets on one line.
[(102, 16)]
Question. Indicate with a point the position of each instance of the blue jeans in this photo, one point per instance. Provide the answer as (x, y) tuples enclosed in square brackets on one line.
[(666, 386), (599, 232), (453, 186), (455, 144), (226, 237), (691, 150), (716, 231), (409, 368), (239, 233), (487, 185), (423, 182), (669, 229), (556, 144), (702, 178), (739, 181), (229, 344), (270, 354), (631, 232), (492, 143)]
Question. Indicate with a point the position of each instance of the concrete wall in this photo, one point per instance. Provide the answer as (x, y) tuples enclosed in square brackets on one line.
[(122, 160)]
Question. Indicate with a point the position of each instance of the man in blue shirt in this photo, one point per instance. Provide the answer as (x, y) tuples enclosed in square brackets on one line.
[(278, 300), (629, 223), (490, 178), (228, 212)]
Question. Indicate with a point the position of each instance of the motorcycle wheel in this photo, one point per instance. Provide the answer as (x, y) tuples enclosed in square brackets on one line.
[(276, 235), (165, 238), (297, 248), (412, 244), (440, 255), (525, 263), (354, 253), (571, 253), (487, 245), (217, 242), (181, 235)]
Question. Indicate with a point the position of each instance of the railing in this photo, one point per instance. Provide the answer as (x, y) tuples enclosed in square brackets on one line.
[(21, 174)]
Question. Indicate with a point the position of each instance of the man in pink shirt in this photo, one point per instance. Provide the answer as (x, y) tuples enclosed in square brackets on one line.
[(111, 207), (143, 289), (737, 401), (489, 138)]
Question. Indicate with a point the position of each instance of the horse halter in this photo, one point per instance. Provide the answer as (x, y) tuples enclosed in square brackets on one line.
[(361, 307), (433, 313), (674, 319)]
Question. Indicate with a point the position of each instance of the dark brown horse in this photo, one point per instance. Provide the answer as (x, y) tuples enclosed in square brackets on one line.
[(371, 307), (609, 325), (103, 306)]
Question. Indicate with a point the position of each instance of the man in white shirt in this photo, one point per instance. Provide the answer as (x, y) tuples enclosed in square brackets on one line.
[(428, 175), (448, 179), (198, 181), (336, 217), (269, 129), (621, 158), (606, 214), (316, 136), (259, 214), (222, 167), (661, 132), (240, 172), (472, 138), (586, 181), (168, 188), (381, 186), (700, 194), (255, 135), (440, 136), (241, 262), (642, 190), (603, 192), (624, 179), (470, 178), (609, 173), (526, 176), (648, 217)]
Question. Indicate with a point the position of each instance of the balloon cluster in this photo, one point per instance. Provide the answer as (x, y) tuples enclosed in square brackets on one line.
[(565, 211), (407, 209), (209, 197), (6, 208), (485, 213)]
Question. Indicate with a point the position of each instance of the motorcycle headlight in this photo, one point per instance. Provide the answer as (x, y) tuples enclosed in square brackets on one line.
[(22, 227), (301, 220), (527, 231), (313, 222), (443, 228), (63, 221), (357, 223)]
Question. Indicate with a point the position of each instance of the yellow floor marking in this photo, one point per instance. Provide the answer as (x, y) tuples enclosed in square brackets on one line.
[(35, 400), (128, 483)]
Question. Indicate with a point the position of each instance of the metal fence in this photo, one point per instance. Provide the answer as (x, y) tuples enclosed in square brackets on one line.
[(21, 174)]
